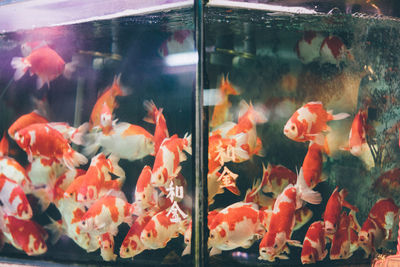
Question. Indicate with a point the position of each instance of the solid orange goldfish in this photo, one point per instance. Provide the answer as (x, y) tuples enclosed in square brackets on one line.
[(156, 117), (357, 136), (312, 165)]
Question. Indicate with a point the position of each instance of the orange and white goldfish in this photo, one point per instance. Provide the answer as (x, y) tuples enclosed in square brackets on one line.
[(160, 230), (283, 219), (309, 121), (249, 117), (62, 183), (24, 121), (341, 242), (312, 165), (237, 225), (45, 63), (43, 171), (96, 182), (334, 51), (70, 133), (307, 48), (25, 235), (221, 109), (105, 215), (145, 193), (106, 120), (333, 210), (13, 199), (256, 195), (42, 140), (314, 244), (28, 47), (108, 98), (11, 169), (357, 136), (156, 117), (106, 242), (132, 245), (125, 140), (170, 155), (385, 213), (276, 178), (370, 237)]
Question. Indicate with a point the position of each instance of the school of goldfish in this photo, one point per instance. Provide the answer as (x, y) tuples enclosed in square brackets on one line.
[(85, 185), (278, 203)]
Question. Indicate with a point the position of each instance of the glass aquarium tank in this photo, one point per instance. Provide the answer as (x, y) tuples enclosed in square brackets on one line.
[(303, 113), (96, 122)]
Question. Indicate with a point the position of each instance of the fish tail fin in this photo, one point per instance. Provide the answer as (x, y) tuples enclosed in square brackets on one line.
[(354, 222), (4, 145), (91, 144), (20, 66), (73, 158), (117, 170), (77, 137), (151, 109), (188, 146), (187, 250), (340, 116), (348, 205), (239, 152), (118, 89), (233, 189), (56, 230), (70, 68), (44, 195), (306, 193)]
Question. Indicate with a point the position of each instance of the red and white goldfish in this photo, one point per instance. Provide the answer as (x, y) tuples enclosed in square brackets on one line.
[(340, 248), (334, 51), (11, 169), (25, 235), (388, 183), (170, 155), (108, 98), (132, 245), (45, 63), (283, 219), (156, 117), (24, 121), (125, 140), (276, 178), (43, 171), (385, 213), (237, 225), (106, 120), (334, 208), (105, 215), (312, 165), (96, 182), (307, 48), (145, 193), (314, 244), (106, 242), (70, 133), (13, 199), (42, 140), (357, 136), (309, 121), (370, 237), (221, 109), (160, 230)]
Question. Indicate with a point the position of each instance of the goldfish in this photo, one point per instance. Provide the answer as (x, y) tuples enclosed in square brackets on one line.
[(97, 180), (334, 51), (340, 248), (357, 136), (187, 238), (307, 48), (42, 140), (11, 169), (106, 242), (105, 215), (108, 98), (45, 63), (106, 120), (255, 194), (62, 183), (237, 225), (282, 219), (145, 193), (70, 133), (249, 117), (4, 146), (132, 245), (385, 213), (388, 183), (334, 208), (312, 165), (13, 199), (43, 171), (276, 178), (28, 47), (220, 113), (170, 155), (180, 41), (160, 230), (125, 140), (370, 237), (24, 121), (309, 121), (156, 117), (25, 235), (314, 244)]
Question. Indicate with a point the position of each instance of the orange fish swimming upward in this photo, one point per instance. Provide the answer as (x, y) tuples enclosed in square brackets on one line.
[(45, 63), (312, 165), (357, 136), (220, 113), (156, 117), (107, 97), (24, 121)]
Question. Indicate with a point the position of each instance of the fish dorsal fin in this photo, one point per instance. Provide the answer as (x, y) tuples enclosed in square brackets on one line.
[(4, 145)]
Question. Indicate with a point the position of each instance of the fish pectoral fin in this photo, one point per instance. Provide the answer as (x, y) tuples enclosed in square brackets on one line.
[(214, 251), (282, 257), (295, 243)]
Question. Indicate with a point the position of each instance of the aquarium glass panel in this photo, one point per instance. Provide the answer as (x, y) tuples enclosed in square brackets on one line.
[(303, 146), (96, 120)]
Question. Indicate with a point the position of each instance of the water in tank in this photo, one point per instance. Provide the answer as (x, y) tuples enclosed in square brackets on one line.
[(303, 113), (96, 122)]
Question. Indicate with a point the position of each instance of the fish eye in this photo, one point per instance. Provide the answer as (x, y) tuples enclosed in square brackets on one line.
[(263, 250), (144, 196), (187, 240), (310, 257), (276, 246), (148, 234), (293, 128), (212, 236), (127, 250), (83, 222)]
